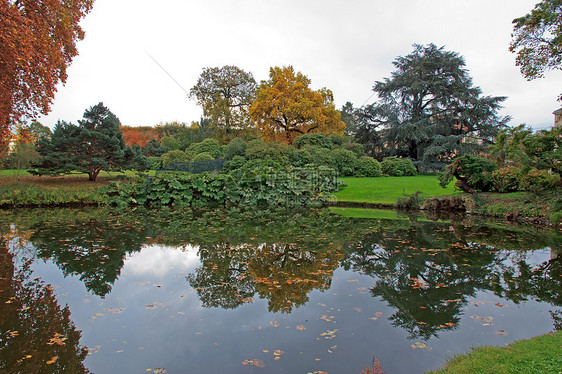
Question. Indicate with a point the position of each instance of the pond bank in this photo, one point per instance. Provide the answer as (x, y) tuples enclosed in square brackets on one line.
[(536, 355)]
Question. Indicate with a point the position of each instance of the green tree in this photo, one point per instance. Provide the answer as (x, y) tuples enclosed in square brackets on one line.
[(537, 40), (225, 94), (520, 145), (429, 110), (94, 145)]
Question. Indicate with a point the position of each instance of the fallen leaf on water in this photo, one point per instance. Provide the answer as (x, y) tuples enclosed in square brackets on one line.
[(353, 280), (278, 352), (327, 318), (329, 334), (301, 327), (487, 320), (160, 371), (377, 316), (500, 305), (274, 323), (57, 339), (501, 332), (255, 362), (115, 310), (419, 345), (52, 360)]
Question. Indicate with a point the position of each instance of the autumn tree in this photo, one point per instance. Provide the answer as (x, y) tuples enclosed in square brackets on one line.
[(429, 111), (37, 43), (94, 145), (225, 94), (537, 40), (287, 107), (139, 135)]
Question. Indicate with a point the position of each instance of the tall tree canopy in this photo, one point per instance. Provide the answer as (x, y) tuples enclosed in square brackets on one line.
[(94, 145), (537, 39), (37, 43), (225, 94), (287, 107), (429, 110)]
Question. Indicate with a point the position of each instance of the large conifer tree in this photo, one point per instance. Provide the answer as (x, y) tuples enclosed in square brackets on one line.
[(428, 110)]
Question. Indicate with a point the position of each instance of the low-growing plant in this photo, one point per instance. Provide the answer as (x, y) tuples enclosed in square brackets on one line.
[(411, 201), (368, 167), (398, 167)]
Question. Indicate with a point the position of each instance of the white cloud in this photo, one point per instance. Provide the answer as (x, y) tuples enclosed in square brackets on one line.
[(158, 261)]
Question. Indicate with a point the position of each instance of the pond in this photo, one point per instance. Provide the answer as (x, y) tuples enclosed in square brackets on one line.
[(271, 291)]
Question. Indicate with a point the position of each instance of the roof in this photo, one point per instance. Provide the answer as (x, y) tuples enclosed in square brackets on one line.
[(559, 111)]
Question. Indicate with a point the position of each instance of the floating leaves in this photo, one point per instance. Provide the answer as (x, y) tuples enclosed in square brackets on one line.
[(377, 316), (329, 334), (278, 353), (156, 305), (487, 320), (301, 327), (52, 360), (57, 339), (501, 332), (115, 311), (254, 362), (274, 323)]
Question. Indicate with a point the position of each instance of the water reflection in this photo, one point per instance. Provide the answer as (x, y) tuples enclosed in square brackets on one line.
[(36, 333), (427, 272)]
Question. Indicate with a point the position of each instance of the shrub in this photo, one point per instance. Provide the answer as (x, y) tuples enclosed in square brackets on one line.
[(398, 167), (318, 140), (237, 147), (368, 167), (344, 161), (208, 145), (538, 179), (413, 201), (472, 173), (236, 163), (170, 158), (155, 163), (203, 156), (506, 179)]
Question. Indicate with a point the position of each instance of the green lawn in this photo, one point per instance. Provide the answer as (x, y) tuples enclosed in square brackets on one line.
[(386, 190), (542, 354)]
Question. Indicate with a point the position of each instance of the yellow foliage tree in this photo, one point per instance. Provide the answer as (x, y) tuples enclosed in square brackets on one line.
[(286, 107)]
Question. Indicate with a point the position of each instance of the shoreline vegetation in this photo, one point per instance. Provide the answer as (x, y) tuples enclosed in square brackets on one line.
[(536, 355), (421, 192)]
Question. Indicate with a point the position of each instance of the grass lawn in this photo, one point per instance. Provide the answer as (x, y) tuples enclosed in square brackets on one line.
[(542, 354), (386, 190)]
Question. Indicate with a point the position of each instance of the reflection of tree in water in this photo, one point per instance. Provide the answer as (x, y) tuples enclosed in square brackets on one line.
[(285, 274), (222, 280), (36, 334), (428, 272), (94, 248)]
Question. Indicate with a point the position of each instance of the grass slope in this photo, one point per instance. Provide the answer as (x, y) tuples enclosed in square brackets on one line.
[(386, 190), (542, 354)]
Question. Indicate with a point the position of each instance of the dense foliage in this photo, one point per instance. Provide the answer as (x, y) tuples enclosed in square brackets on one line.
[(429, 111), (255, 184), (225, 94), (286, 107), (537, 39), (37, 43), (94, 145)]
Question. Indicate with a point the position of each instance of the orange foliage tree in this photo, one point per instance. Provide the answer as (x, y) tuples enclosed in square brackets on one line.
[(140, 135), (286, 107), (37, 43)]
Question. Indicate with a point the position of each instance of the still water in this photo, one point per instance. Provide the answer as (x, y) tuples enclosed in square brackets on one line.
[(265, 291)]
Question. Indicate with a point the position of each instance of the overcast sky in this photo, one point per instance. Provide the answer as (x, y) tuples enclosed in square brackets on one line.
[(342, 45)]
